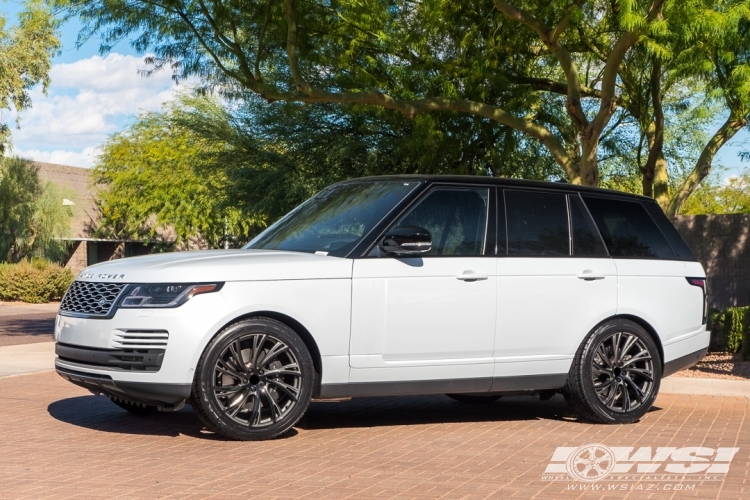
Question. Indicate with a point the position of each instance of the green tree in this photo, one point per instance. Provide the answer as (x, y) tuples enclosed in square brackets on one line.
[(33, 219), (488, 59), (714, 196), (151, 188), (26, 51)]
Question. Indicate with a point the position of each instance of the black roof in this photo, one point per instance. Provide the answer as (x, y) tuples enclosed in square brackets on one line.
[(501, 181)]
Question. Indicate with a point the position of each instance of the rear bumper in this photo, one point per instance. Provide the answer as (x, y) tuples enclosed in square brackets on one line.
[(156, 394), (683, 362)]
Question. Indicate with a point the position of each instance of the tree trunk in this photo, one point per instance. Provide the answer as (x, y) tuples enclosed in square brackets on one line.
[(588, 167), (655, 174), (703, 165)]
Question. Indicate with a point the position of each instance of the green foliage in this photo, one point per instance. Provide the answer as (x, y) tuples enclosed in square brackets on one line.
[(36, 281), (32, 217), (730, 330), (715, 196), (19, 190), (153, 190), (199, 161), (26, 52)]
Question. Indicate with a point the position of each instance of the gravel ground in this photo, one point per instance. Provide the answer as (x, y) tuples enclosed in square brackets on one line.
[(719, 365)]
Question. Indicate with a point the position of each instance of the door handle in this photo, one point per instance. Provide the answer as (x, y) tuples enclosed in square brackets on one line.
[(471, 276), (589, 275)]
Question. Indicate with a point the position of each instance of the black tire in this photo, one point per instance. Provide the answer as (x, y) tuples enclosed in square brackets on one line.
[(135, 408), (475, 399), (264, 396), (614, 385)]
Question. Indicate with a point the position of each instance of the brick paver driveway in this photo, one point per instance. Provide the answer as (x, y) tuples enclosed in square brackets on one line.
[(57, 441)]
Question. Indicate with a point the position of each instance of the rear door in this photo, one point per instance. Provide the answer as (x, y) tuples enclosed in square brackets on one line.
[(555, 283)]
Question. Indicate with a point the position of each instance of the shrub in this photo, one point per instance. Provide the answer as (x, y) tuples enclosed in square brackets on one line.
[(36, 281), (730, 330)]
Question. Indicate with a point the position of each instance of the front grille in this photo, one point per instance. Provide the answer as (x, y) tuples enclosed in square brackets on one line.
[(91, 299), (140, 339)]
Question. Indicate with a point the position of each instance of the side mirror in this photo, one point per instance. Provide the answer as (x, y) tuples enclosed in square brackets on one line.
[(406, 240)]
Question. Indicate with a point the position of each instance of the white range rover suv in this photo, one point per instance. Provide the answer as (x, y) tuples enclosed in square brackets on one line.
[(473, 287)]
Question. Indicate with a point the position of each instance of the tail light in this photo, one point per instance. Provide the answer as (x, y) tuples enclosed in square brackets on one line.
[(703, 285)]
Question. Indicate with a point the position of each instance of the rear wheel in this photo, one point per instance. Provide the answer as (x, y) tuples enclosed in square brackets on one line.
[(135, 408), (254, 380), (615, 375), (475, 399)]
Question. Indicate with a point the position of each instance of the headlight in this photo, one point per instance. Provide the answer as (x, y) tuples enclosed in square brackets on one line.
[(164, 295)]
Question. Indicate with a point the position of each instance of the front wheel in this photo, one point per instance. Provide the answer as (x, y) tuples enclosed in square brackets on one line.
[(254, 380), (615, 375)]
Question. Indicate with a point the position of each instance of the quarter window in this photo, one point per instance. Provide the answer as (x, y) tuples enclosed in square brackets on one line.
[(456, 218), (628, 230), (537, 224)]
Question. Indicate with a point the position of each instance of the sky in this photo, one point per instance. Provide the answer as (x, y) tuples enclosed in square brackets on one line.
[(90, 97), (93, 96)]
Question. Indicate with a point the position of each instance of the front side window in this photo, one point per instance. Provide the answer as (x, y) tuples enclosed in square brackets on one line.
[(628, 230), (455, 217), (537, 224), (335, 220)]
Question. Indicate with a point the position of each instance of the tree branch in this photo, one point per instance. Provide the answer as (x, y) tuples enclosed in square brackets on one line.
[(550, 39), (703, 165), (291, 46)]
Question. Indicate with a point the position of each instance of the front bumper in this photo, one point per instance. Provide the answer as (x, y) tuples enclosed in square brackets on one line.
[(146, 356), (160, 395)]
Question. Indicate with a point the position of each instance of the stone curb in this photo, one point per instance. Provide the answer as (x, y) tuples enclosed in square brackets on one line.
[(706, 386), (26, 358)]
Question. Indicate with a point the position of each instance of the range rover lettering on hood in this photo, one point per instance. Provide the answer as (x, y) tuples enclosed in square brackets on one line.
[(103, 276)]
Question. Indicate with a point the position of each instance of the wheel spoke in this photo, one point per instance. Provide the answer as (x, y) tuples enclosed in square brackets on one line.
[(224, 368), (636, 389), (277, 349), (255, 414), (612, 394), (258, 341), (227, 390), (603, 355), (628, 345), (288, 389), (647, 374), (275, 410), (616, 348), (641, 356), (290, 369), (235, 351), (235, 407), (625, 397)]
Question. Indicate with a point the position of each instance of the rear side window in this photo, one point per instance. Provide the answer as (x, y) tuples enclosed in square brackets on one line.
[(673, 237), (586, 239), (628, 230), (537, 224)]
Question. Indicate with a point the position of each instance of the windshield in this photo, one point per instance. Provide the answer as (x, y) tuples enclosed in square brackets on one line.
[(334, 220)]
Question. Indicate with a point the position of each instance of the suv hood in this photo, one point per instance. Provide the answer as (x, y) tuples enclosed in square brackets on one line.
[(218, 265)]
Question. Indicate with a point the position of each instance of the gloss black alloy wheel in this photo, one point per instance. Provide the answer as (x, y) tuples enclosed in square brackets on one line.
[(622, 372), (615, 375), (254, 380)]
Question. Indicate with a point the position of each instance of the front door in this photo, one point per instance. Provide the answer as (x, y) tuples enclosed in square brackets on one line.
[(430, 317)]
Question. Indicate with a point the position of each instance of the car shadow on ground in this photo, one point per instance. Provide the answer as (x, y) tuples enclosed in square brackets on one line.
[(98, 413)]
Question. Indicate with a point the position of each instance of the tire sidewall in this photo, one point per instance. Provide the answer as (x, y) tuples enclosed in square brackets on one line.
[(593, 342), (204, 374)]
